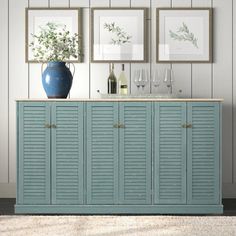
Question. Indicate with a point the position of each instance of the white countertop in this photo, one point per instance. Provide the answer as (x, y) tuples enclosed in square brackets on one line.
[(122, 100)]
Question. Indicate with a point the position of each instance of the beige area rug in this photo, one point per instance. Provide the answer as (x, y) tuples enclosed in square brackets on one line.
[(118, 225)]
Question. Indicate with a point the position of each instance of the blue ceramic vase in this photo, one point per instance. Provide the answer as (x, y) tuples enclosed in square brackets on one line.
[(57, 80)]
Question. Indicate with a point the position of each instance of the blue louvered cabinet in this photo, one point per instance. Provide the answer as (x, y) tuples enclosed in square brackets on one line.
[(50, 156), (187, 153), (121, 157), (118, 153)]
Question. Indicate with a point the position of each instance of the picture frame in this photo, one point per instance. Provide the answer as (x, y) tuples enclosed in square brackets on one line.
[(184, 35), (118, 35), (36, 17)]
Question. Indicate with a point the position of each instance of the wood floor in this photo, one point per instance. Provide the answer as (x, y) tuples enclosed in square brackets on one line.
[(7, 206)]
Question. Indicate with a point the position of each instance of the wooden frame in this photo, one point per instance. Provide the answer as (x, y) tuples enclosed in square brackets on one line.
[(145, 37), (207, 58), (27, 10)]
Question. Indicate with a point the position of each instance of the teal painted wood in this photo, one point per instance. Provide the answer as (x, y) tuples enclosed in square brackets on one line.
[(119, 209), (102, 153), (67, 153), (34, 153), (111, 171), (169, 153), (17, 154), (203, 153), (220, 151), (135, 153)]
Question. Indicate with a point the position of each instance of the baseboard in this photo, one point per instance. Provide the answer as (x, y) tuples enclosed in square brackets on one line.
[(119, 209), (7, 190), (229, 190)]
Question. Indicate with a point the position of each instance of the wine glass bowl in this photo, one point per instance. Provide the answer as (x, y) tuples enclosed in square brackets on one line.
[(137, 78), (156, 78), (169, 79), (144, 78)]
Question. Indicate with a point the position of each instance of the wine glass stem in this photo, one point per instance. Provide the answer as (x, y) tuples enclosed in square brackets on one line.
[(170, 88)]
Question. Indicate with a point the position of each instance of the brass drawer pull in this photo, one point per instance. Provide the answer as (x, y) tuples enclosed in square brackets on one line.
[(50, 126), (119, 126), (187, 126)]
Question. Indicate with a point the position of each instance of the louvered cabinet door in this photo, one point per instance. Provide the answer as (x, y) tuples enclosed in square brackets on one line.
[(135, 153), (169, 153), (102, 153), (67, 153), (33, 153), (203, 153)]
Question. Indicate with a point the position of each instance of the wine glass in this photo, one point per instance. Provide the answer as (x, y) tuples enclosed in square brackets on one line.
[(169, 79), (144, 78), (156, 78), (137, 78)]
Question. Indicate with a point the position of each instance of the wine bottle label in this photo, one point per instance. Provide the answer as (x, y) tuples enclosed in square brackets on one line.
[(123, 86)]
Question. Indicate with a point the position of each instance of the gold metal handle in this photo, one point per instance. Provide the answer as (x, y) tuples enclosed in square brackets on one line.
[(47, 126), (53, 126), (119, 126), (187, 126)]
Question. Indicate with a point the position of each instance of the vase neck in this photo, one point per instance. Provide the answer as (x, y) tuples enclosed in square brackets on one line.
[(56, 63)]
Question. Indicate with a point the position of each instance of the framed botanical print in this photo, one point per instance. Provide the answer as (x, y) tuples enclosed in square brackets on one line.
[(184, 35), (118, 35), (38, 18)]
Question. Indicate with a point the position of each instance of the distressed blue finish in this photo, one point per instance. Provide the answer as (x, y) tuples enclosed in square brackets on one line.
[(135, 153), (102, 153), (34, 153), (169, 153), (67, 153), (203, 153), (57, 80), (118, 157)]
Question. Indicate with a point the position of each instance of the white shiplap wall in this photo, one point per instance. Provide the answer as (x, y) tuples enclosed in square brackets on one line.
[(20, 80)]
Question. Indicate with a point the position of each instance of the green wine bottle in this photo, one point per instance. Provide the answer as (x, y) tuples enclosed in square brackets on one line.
[(112, 81)]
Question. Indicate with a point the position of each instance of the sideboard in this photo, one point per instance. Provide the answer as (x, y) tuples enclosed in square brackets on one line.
[(111, 156)]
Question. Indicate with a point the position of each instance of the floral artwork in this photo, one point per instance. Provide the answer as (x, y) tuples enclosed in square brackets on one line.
[(53, 34), (183, 34), (119, 36)]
